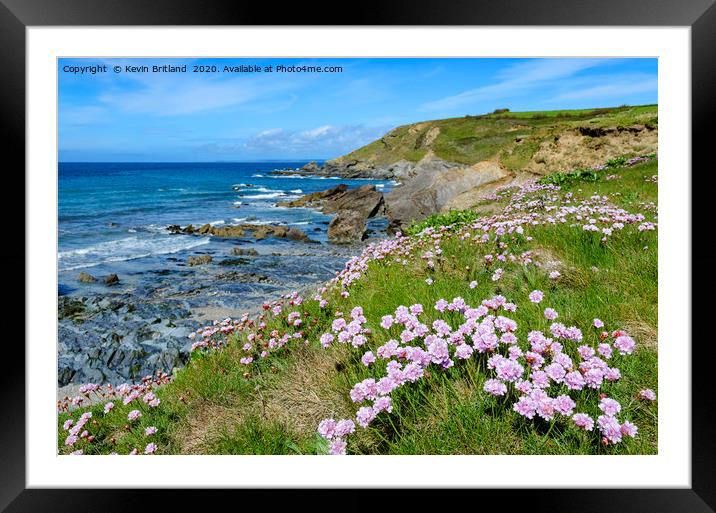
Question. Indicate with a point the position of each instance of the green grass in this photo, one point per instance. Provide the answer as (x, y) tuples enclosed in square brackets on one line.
[(513, 137), (216, 405)]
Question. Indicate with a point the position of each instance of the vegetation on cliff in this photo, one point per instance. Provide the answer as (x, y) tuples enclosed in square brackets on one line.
[(513, 138)]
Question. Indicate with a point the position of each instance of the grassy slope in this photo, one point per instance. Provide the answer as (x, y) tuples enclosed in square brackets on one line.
[(218, 405), (471, 139)]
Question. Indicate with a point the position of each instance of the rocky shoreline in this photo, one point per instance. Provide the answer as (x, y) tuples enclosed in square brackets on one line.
[(123, 330)]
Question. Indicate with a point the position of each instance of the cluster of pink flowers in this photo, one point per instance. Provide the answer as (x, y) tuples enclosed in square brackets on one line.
[(92, 392), (524, 375), (347, 332), (336, 433)]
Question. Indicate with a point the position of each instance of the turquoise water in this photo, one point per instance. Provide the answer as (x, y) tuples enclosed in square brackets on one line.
[(113, 216)]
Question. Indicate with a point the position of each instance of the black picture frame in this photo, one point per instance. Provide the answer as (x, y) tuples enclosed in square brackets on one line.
[(699, 15)]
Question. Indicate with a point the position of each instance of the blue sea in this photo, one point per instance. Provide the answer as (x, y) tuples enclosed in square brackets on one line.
[(114, 213), (113, 220)]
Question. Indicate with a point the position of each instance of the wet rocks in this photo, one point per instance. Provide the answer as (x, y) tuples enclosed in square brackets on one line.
[(199, 260), (240, 277), (257, 231), (111, 279), (347, 227), (86, 278), (115, 338), (364, 199), (244, 252), (234, 261)]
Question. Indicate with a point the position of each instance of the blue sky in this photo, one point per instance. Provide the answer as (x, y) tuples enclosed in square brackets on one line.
[(193, 117)]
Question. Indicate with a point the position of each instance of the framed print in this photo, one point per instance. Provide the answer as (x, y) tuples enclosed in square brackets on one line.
[(267, 251)]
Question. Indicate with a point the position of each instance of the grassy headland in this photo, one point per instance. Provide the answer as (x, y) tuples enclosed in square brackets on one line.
[(512, 137)]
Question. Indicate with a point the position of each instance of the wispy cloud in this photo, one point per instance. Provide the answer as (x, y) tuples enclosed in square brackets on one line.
[(612, 87), (516, 79), (325, 139)]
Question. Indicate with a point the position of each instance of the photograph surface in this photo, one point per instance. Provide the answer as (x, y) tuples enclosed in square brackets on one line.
[(357, 256)]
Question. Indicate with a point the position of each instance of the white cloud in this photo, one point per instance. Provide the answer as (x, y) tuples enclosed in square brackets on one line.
[(517, 79), (614, 87), (326, 140)]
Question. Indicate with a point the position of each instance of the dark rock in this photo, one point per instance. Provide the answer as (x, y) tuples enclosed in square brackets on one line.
[(235, 261), (86, 278), (364, 199), (257, 231), (239, 277), (111, 279), (199, 260), (244, 251), (311, 167), (69, 307), (347, 227)]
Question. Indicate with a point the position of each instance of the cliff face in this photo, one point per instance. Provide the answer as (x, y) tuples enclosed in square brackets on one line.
[(451, 163)]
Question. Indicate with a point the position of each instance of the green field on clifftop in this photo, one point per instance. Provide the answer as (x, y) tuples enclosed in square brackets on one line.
[(513, 136)]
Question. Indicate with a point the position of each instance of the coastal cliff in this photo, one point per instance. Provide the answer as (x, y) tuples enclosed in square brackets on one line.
[(450, 164)]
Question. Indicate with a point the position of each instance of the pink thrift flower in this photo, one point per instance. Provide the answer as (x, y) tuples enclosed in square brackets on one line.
[(344, 428), (463, 351), (612, 374), (598, 323), (386, 321), (610, 428), (609, 406), (555, 372), (151, 448), (134, 415), (564, 404), (365, 416), (337, 447), (71, 439), (473, 284), (67, 425), (628, 429), (605, 350), (429, 281), (108, 407), (554, 275), (495, 387), (583, 420), (525, 407), (647, 394), (574, 380), (536, 296), (384, 403), (368, 358), (327, 428), (550, 314), (151, 430), (625, 344), (441, 305)]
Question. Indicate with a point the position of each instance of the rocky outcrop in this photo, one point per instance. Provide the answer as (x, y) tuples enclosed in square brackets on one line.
[(257, 231), (244, 252), (86, 278), (111, 279), (116, 339), (199, 260), (364, 199), (436, 187), (347, 227)]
